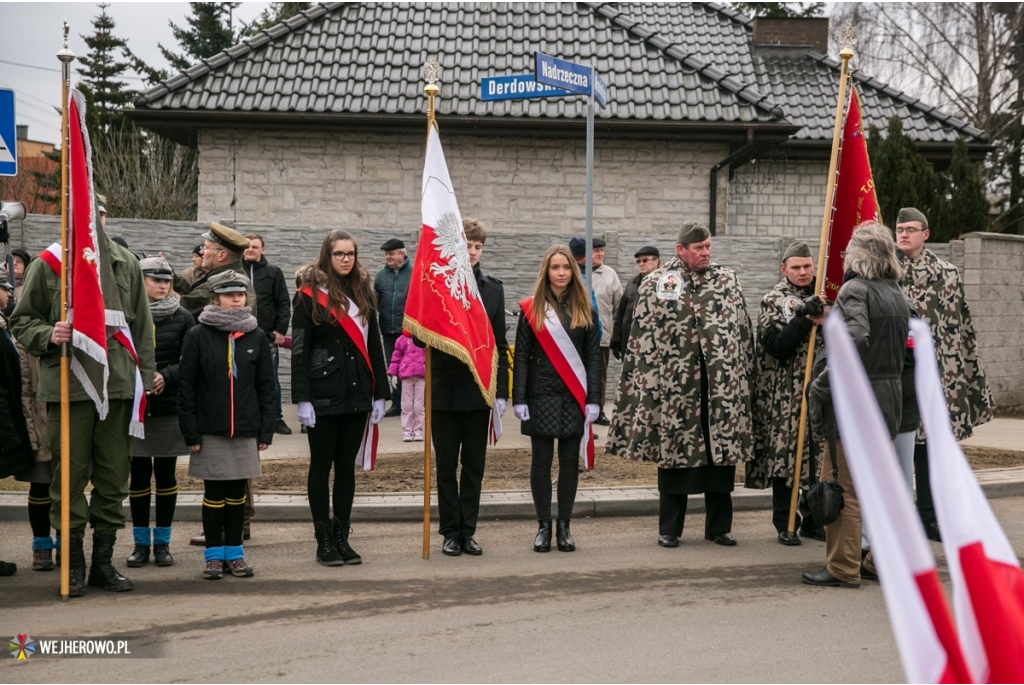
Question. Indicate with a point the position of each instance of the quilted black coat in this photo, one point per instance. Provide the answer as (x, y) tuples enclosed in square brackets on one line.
[(170, 335), (554, 412), (15, 446)]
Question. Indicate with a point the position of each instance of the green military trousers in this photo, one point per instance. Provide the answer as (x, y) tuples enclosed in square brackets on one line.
[(107, 446)]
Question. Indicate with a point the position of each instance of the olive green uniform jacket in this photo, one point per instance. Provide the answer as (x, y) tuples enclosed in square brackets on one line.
[(198, 296)]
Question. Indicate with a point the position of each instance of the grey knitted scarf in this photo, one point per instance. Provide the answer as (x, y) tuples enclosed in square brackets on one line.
[(165, 307), (231, 320)]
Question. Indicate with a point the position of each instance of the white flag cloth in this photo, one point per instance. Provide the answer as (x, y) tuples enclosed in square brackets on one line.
[(918, 613), (988, 586)]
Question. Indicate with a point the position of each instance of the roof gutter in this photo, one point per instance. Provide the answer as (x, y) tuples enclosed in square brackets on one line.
[(741, 155)]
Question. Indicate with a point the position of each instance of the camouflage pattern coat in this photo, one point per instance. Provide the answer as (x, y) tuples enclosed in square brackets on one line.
[(936, 294), (657, 407), (778, 387)]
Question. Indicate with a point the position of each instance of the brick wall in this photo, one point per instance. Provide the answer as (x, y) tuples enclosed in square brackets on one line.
[(792, 32)]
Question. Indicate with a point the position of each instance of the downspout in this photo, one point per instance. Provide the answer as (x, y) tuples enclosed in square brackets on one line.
[(714, 177)]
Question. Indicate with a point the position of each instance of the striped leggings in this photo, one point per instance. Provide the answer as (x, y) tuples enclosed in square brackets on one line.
[(223, 512), (140, 489)]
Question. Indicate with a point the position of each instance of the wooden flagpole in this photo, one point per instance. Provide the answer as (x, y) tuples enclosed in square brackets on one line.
[(65, 56), (826, 225), (430, 71)]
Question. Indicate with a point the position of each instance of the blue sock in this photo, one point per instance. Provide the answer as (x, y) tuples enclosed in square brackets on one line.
[(42, 544), (232, 552), (141, 536), (161, 535), (213, 554)]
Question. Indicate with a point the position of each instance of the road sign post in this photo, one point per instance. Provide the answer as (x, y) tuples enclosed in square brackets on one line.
[(8, 134)]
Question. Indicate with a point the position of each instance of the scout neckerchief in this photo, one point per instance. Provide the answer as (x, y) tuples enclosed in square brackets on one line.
[(123, 335), (367, 455), (562, 354)]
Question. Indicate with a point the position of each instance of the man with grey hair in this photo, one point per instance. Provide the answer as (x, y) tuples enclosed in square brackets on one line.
[(876, 313), (936, 293), (392, 287), (684, 396)]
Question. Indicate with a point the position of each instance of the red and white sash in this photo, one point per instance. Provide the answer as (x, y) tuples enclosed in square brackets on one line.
[(555, 342), (123, 335), (359, 333)]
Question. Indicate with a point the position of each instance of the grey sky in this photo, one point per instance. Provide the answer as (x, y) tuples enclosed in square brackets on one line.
[(32, 35)]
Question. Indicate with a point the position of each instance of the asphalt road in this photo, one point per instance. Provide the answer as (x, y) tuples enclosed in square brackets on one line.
[(619, 609)]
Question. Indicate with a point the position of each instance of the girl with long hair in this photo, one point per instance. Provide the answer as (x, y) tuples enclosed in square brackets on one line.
[(339, 380), (557, 368)]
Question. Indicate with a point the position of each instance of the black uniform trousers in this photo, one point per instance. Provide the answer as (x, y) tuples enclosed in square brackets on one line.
[(781, 494), (925, 505), (716, 482), (459, 434)]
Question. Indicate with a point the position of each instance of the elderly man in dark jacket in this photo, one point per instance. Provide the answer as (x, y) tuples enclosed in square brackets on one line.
[(647, 260), (273, 309), (392, 287), (876, 313)]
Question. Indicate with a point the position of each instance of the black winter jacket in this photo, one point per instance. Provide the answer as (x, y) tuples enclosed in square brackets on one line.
[(452, 384), (15, 445), (328, 369), (554, 412), (623, 320), (211, 401), (170, 336), (273, 307)]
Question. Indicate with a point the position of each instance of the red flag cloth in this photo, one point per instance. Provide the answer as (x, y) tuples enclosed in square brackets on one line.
[(854, 200), (988, 585), (85, 298), (443, 308), (918, 613)]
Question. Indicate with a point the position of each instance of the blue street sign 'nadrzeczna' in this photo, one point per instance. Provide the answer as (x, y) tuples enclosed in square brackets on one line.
[(8, 134), (577, 78), (517, 87)]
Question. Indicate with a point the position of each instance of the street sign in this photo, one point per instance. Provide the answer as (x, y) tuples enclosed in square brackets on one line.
[(561, 73), (8, 135), (517, 87), (600, 90)]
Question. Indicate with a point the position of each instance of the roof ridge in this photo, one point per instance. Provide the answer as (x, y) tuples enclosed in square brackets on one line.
[(742, 90), (928, 110), (730, 13), (245, 47)]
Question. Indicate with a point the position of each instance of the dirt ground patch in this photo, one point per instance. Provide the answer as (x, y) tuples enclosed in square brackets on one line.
[(506, 470)]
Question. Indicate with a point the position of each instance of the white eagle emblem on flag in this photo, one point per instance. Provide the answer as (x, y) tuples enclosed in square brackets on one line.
[(458, 271)]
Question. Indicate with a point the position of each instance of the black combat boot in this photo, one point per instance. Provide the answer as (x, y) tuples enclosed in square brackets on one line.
[(565, 541), (542, 543), (326, 550), (76, 586), (349, 555), (102, 572)]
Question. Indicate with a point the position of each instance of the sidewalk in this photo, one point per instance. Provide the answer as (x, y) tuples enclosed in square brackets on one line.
[(517, 504)]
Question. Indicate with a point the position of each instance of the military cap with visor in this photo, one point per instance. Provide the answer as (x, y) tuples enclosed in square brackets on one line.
[(158, 268), (228, 237), (229, 281)]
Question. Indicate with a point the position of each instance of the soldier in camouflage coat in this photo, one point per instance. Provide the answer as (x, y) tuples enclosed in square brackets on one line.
[(684, 397), (936, 294), (783, 334)]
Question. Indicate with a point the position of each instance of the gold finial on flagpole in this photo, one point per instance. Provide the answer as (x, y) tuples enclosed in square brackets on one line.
[(431, 73)]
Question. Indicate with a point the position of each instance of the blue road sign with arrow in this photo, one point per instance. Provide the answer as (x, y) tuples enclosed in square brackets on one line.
[(8, 134)]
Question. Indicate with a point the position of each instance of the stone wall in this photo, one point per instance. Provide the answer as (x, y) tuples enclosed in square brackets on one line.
[(529, 184), (789, 203)]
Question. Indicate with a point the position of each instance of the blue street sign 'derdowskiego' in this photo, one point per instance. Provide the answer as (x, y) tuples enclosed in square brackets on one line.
[(8, 135), (517, 87)]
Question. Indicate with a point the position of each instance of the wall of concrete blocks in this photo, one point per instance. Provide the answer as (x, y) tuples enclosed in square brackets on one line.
[(514, 257), (789, 204)]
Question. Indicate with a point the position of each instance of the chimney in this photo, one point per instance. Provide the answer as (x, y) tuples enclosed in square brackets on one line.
[(22, 133), (792, 32)]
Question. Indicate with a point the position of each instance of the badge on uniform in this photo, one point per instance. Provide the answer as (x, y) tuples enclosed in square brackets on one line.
[(669, 286), (789, 306)]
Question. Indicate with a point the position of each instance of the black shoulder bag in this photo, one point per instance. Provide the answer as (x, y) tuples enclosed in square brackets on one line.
[(825, 498)]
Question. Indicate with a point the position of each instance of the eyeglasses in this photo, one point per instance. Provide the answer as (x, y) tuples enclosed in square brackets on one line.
[(644, 260), (343, 256), (909, 230)]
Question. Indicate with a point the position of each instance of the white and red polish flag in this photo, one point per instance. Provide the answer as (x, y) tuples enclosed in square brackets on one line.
[(918, 613), (443, 307), (988, 585)]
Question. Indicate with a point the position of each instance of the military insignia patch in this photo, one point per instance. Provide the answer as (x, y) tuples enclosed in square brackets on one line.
[(669, 286), (789, 306)]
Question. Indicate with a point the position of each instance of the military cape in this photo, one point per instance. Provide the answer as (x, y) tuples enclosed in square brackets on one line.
[(657, 408), (778, 386), (936, 294)]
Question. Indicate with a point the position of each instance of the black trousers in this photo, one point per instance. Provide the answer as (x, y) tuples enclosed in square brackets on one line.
[(925, 505), (672, 513), (568, 475), (459, 436), (389, 340), (334, 441), (781, 494)]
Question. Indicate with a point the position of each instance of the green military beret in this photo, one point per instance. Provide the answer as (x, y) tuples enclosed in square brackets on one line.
[(797, 250), (693, 232), (910, 214)]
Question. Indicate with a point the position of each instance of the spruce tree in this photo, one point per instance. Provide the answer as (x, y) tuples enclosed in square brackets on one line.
[(274, 15), (903, 178), (101, 77), (964, 205), (208, 32)]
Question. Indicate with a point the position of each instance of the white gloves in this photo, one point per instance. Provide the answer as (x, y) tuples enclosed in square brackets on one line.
[(521, 411), (499, 405), (592, 413), (377, 413), (307, 417)]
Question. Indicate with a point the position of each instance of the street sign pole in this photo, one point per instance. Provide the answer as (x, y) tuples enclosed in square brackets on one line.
[(588, 280)]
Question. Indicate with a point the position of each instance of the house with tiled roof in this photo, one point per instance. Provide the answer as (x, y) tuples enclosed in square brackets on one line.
[(319, 121)]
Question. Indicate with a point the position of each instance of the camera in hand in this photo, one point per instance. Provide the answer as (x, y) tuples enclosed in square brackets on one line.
[(811, 306)]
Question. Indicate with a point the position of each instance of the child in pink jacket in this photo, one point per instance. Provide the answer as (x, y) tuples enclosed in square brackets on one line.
[(408, 363)]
